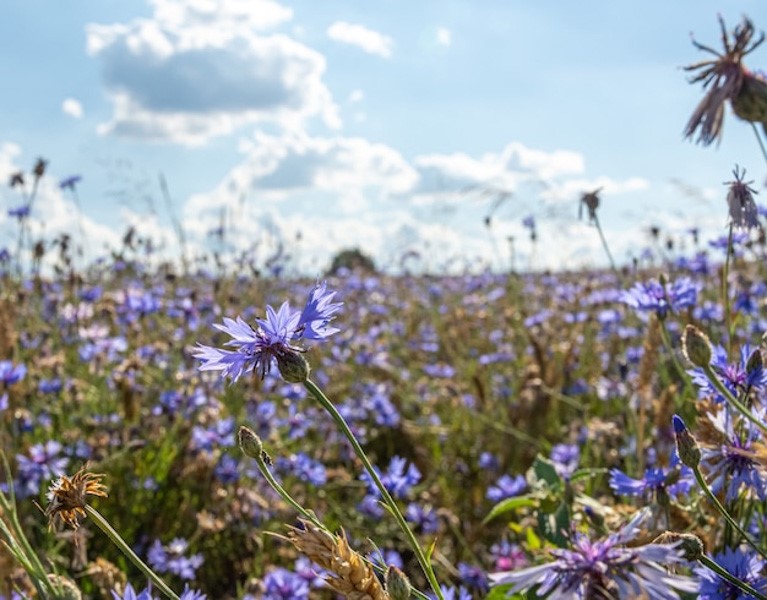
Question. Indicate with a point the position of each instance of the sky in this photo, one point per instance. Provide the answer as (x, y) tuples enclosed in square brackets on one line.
[(422, 133)]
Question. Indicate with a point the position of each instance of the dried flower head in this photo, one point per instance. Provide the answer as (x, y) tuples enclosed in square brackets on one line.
[(67, 497), (740, 200), (348, 573), (591, 201), (726, 78)]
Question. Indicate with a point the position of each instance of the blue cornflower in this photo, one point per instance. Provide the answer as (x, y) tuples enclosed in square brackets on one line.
[(743, 564), (657, 481), (20, 212), (565, 458), (423, 518), (130, 594), (472, 576), (256, 349), (654, 296), (70, 182), (397, 480), (171, 558), (281, 584), (303, 467), (10, 374), (731, 464), (508, 556), (454, 593), (44, 462), (506, 487), (605, 568), (736, 377)]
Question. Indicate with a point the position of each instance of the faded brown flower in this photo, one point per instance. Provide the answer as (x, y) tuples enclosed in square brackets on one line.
[(67, 497), (726, 79)]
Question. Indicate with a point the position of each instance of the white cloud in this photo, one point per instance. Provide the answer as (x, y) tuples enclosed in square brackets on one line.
[(356, 96), (73, 108), (200, 69), (369, 40), (444, 37)]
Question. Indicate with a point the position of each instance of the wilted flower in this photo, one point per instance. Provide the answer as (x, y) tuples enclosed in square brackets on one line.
[(591, 201), (726, 78), (740, 201), (67, 497)]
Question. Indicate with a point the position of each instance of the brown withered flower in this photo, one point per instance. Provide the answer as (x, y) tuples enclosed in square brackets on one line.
[(726, 79), (67, 497)]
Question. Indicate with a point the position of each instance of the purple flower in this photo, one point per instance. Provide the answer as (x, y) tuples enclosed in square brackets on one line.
[(423, 518), (472, 577), (397, 480), (506, 487), (743, 564), (43, 463), (565, 458), (731, 465), (281, 584), (736, 377), (606, 567), (130, 594), (303, 467), (507, 556), (171, 558), (740, 201), (10, 374), (257, 349), (70, 182), (20, 212), (656, 481), (654, 296)]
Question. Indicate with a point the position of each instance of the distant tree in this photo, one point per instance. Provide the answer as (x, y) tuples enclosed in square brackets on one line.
[(353, 259)]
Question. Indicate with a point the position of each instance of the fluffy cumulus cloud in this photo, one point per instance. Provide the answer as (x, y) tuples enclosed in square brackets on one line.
[(200, 69), (73, 108), (318, 195), (368, 40)]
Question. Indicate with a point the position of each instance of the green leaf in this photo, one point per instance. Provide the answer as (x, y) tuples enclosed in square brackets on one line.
[(544, 470), (554, 526), (509, 504)]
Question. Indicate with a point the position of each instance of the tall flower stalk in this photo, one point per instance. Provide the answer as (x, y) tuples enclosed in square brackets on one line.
[(274, 341)]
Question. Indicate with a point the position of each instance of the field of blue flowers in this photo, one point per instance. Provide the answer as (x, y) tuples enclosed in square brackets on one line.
[(596, 434)]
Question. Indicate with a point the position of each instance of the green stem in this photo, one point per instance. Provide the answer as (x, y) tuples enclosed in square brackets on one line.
[(104, 525), (391, 504), (742, 585), (742, 408), (306, 514), (604, 243), (674, 358), (759, 139), (726, 291), (723, 511)]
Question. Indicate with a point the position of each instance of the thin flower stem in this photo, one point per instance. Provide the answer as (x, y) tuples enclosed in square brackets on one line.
[(759, 139), (604, 243), (674, 358), (104, 525), (306, 514), (724, 574), (742, 408), (726, 291), (723, 511), (390, 503)]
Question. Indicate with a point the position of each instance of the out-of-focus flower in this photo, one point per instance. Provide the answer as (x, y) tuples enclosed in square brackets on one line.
[(743, 564), (10, 374), (130, 594), (70, 182), (171, 558), (20, 212), (256, 349), (726, 79), (506, 487), (740, 201), (605, 569), (655, 296)]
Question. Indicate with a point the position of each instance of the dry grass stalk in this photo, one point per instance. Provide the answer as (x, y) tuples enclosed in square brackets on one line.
[(350, 575)]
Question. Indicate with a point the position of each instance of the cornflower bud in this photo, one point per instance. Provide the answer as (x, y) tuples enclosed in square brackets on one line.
[(293, 367), (397, 584), (696, 346), (690, 545), (250, 443), (686, 446)]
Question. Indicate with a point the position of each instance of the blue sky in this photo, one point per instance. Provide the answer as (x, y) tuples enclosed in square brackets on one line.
[(364, 124)]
